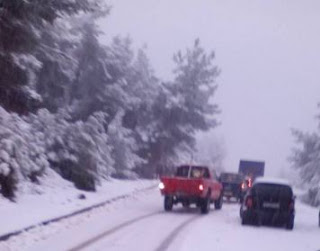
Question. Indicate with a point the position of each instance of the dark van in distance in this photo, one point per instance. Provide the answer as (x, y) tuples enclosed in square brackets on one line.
[(233, 185)]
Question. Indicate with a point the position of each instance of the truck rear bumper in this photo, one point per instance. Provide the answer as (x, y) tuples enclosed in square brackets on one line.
[(187, 199)]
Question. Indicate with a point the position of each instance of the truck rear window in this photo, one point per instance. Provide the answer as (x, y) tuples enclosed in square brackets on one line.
[(231, 177), (195, 172), (183, 171)]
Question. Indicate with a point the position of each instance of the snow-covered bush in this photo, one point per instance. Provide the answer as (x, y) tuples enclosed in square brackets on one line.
[(312, 196), (79, 150), (22, 154), (124, 149), (306, 159)]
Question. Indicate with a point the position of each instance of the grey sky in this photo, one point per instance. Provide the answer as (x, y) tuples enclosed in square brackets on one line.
[(269, 54)]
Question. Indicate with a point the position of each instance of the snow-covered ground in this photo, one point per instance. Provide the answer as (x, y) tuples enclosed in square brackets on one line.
[(139, 223), (56, 197)]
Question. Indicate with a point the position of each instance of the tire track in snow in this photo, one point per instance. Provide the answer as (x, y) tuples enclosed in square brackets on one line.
[(172, 236), (6, 236), (111, 231)]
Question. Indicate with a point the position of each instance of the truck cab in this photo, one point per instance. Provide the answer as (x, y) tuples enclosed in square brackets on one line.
[(191, 184)]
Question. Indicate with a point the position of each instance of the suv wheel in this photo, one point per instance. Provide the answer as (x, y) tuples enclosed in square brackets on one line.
[(290, 224), (244, 221)]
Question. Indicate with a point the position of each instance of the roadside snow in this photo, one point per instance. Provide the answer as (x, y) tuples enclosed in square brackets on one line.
[(56, 197), (219, 230)]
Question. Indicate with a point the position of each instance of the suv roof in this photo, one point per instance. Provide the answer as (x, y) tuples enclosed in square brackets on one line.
[(268, 180)]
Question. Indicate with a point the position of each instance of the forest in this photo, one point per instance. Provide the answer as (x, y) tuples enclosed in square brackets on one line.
[(91, 111)]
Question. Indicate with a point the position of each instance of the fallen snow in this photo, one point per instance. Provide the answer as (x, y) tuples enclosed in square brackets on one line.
[(219, 230), (56, 197)]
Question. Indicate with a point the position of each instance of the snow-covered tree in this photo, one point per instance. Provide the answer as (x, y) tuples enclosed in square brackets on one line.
[(306, 159), (184, 106), (22, 154), (80, 151), (211, 151), (96, 110), (25, 41)]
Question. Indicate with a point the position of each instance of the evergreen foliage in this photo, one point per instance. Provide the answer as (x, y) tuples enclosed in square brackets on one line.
[(306, 159), (91, 111)]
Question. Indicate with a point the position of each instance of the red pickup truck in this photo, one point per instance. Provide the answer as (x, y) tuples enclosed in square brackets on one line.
[(192, 185)]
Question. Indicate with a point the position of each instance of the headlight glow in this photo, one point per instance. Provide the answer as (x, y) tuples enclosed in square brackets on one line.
[(161, 185)]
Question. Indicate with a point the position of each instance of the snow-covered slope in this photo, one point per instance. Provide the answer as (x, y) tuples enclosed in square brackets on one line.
[(56, 197)]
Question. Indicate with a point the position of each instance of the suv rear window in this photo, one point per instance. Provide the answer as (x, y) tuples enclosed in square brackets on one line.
[(273, 190)]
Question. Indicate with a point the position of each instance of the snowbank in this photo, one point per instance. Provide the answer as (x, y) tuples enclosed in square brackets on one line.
[(56, 197)]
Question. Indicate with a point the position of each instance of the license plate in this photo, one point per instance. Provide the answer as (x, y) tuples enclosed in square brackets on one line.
[(271, 205)]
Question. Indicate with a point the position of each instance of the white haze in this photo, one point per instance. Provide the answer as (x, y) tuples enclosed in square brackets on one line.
[(268, 52)]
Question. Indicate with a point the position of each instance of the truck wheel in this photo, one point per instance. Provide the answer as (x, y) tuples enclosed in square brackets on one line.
[(218, 203), (205, 205), (168, 203)]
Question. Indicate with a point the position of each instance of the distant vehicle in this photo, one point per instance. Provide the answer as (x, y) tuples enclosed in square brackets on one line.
[(234, 185), (192, 185), (251, 169), (269, 201)]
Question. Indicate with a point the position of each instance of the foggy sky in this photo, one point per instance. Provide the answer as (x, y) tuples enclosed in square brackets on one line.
[(268, 52)]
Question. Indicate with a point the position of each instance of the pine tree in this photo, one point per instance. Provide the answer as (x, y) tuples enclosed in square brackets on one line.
[(183, 107), (24, 26), (306, 158)]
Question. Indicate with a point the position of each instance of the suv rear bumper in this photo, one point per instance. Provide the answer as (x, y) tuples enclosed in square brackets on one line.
[(267, 217)]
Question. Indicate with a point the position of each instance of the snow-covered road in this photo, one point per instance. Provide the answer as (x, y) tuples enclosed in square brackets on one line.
[(139, 223)]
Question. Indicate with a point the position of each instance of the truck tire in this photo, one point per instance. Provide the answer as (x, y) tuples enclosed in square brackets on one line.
[(218, 203), (168, 203), (205, 205)]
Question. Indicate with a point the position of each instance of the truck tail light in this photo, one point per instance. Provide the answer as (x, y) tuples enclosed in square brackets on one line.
[(201, 187), (249, 202), (161, 185)]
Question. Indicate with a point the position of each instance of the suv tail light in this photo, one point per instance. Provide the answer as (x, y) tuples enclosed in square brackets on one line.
[(291, 205), (249, 202), (201, 187), (243, 186)]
